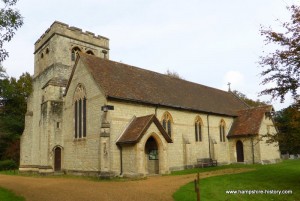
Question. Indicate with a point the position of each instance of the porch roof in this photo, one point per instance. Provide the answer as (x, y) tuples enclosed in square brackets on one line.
[(249, 121), (138, 127)]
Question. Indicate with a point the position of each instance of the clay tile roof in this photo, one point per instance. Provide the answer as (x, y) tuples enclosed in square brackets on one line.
[(248, 121), (121, 81), (137, 128)]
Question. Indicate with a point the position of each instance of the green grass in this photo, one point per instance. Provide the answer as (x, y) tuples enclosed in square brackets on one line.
[(9, 172), (281, 176), (209, 169), (69, 176), (6, 195)]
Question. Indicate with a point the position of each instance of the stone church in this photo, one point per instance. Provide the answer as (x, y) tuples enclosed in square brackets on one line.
[(93, 116)]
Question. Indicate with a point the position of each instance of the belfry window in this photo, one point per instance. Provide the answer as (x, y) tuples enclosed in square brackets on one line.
[(80, 112), (222, 131), (167, 123), (74, 52), (198, 129)]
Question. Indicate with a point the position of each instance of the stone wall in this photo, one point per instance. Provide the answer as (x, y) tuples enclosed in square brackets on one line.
[(251, 149), (83, 154), (269, 152), (184, 150), (55, 46), (263, 151), (44, 125), (39, 124)]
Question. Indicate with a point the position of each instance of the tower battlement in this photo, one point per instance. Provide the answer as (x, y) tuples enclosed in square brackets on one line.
[(61, 42)]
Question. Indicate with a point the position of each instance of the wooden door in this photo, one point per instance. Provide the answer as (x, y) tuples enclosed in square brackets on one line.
[(57, 159), (239, 151)]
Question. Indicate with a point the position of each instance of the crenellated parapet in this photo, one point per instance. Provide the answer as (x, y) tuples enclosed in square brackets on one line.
[(72, 33), (60, 44)]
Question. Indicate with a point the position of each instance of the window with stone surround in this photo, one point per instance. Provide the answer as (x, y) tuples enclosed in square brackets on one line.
[(167, 122), (74, 52), (222, 130), (198, 129), (80, 112)]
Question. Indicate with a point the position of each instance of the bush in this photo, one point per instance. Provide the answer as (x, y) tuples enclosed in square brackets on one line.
[(8, 165)]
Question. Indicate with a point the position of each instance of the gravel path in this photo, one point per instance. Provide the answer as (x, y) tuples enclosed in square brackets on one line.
[(67, 189)]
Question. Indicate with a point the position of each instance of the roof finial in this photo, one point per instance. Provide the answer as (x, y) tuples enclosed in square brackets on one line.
[(229, 86)]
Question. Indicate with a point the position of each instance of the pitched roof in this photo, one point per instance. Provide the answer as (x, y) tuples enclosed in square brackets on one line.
[(248, 121), (56, 81), (121, 81), (137, 128)]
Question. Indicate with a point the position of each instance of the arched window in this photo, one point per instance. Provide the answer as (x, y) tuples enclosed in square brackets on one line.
[(90, 52), (167, 123), (75, 50), (222, 131), (80, 112), (198, 129)]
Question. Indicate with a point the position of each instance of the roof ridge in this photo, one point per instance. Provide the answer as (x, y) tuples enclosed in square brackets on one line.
[(151, 71), (237, 97), (130, 83), (260, 106)]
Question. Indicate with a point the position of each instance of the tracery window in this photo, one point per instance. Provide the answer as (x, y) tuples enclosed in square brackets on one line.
[(167, 123), (75, 50), (222, 131), (80, 112), (198, 129)]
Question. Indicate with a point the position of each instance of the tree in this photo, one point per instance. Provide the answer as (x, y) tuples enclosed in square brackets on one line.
[(2, 72), (173, 74), (248, 101), (10, 21), (288, 123), (13, 98), (282, 66)]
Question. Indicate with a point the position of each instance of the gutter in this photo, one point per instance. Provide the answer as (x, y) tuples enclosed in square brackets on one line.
[(171, 106)]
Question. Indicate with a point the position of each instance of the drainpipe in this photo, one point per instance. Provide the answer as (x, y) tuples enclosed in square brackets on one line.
[(208, 135), (252, 147), (121, 159)]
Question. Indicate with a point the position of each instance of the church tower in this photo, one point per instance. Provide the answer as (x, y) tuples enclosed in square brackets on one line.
[(54, 57), (60, 43)]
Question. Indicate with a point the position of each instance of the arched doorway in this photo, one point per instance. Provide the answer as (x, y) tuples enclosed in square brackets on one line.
[(239, 151), (152, 155), (57, 159)]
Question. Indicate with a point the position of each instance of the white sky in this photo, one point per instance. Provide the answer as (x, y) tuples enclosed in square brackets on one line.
[(206, 41)]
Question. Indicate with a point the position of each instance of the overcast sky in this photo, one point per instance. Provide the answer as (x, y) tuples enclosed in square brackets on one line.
[(206, 41)]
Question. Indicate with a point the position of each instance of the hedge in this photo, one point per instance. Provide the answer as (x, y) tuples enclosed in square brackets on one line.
[(8, 165)]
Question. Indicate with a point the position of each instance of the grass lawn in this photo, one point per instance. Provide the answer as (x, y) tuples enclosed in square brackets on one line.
[(6, 195), (281, 176), (209, 169)]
